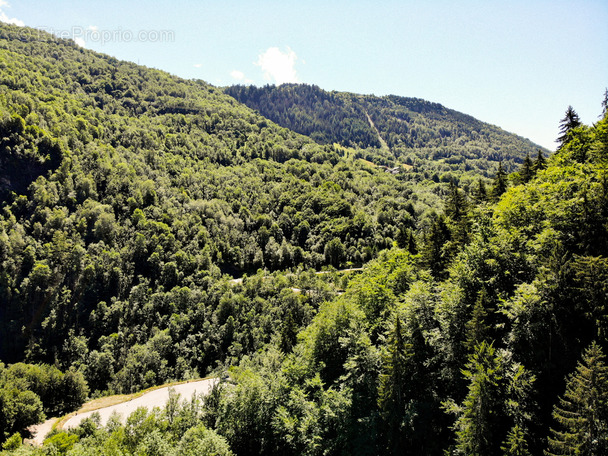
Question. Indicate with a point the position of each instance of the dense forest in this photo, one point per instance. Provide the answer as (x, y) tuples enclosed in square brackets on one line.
[(131, 199), (415, 132)]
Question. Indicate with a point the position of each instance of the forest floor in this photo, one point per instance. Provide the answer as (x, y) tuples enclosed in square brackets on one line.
[(123, 405)]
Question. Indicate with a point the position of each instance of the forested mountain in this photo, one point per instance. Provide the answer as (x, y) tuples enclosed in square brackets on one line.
[(130, 199), (414, 130), (499, 351)]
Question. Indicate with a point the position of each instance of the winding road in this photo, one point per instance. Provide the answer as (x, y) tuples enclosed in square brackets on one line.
[(155, 398)]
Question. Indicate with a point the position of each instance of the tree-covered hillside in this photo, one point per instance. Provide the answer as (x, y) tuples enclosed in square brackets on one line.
[(127, 193), (117, 178), (130, 200), (501, 352), (416, 131)]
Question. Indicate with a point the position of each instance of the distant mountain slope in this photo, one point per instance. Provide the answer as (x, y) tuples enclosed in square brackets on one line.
[(411, 127), (327, 117)]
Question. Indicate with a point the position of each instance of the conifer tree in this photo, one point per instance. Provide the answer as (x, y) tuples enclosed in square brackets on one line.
[(541, 162), (435, 255), (477, 328), (412, 245), (500, 182), (480, 420), (480, 193), (392, 390), (582, 412), (516, 444), (497, 408), (456, 208), (406, 240), (570, 121), (456, 204), (527, 171)]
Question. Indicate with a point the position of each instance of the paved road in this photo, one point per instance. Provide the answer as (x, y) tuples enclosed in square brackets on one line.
[(155, 398), (39, 431)]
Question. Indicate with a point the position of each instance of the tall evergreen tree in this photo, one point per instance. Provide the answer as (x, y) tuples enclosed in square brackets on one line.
[(477, 328), (480, 423), (456, 204), (497, 409), (516, 444), (392, 390), (541, 162), (406, 240), (570, 121), (499, 186), (436, 257), (582, 412), (480, 194), (456, 208), (412, 245), (527, 171)]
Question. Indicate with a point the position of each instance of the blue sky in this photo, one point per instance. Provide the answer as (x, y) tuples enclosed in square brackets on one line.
[(515, 64)]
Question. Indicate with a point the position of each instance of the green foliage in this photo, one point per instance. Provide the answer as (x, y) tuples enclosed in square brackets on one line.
[(61, 442), (541, 162), (144, 433), (493, 397), (392, 393), (18, 410), (142, 196), (29, 392), (582, 412), (436, 253), (499, 185), (326, 117), (13, 442), (516, 444), (162, 185), (201, 441), (528, 169), (60, 393), (478, 330), (481, 418)]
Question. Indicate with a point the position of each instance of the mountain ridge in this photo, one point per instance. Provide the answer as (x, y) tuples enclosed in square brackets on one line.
[(411, 127)]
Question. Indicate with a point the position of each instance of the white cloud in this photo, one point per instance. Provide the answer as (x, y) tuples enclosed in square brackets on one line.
[(278, 66), (5, 18), (238, 75), (80, 42), (198, 65), (93, 28)]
